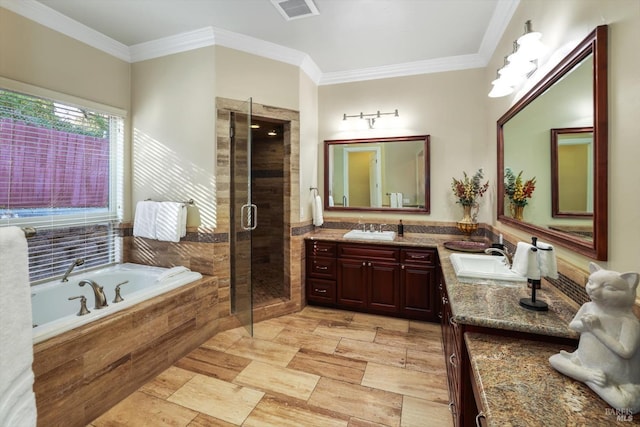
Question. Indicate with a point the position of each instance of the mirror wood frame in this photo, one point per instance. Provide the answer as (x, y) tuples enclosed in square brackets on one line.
[(594, 44), (555, 179), (427, 196)]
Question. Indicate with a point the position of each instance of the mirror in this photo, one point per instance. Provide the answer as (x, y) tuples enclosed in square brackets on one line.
[(573, 95), (377, 174), (572, 174)]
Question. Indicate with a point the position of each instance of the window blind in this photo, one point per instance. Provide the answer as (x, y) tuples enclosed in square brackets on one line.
[(61, 172)]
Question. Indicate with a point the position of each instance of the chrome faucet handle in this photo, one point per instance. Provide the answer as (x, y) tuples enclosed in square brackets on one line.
[(118, 297), (83, 305)]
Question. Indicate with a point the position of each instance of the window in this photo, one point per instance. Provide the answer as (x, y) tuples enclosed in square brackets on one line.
[(60, 172)]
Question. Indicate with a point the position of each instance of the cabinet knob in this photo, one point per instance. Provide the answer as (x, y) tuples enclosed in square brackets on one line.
[(369, 264), (364, 264), (402, 266), (453, 357)]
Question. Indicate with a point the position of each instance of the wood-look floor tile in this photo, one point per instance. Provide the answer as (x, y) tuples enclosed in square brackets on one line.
[(407, 382), (426, 361), (343, 330), (266, 330), (264, 351), (274, 412), (213, 363), (306, 340), (329, 365), (384, 322), (415, 411), (296, 321), (167, 382), (223, 340), (217, 398), (372, 352), (413, 340), (204, 420), (433, 329), (367, 403), (141, 409), (323, 314), (358, 422), (277, 380)]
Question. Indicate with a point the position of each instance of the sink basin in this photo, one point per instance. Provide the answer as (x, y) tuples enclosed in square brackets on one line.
[(386, 236), (483, 267)]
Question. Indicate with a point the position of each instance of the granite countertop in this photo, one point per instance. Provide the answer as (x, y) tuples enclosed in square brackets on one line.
[(490, 304), (518, 387)]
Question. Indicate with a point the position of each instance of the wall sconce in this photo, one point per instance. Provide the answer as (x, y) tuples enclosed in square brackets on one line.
[(371, 118), (522, 62)]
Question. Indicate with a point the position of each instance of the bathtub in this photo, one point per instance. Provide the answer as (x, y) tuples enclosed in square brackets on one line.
[(54, 313)]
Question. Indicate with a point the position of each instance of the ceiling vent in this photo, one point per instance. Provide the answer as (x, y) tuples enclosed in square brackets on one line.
[(295, 9)]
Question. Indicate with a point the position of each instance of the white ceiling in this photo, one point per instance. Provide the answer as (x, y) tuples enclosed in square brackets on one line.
[(349, 39)]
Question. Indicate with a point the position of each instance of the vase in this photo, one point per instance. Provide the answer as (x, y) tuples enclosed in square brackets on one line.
[(517, 211), (467, 224)]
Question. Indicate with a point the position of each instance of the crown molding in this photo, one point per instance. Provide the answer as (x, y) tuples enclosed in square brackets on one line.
[(210, 36), (499, 20), (50, 18), (438, 65), (170, 45)]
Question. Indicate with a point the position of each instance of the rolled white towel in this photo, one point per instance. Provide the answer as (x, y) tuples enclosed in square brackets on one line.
[(547, 260), (393, 200), (173, 271), (525, 261)]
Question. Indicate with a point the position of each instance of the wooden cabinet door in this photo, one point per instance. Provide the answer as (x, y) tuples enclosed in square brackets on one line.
[(352, 283), (384, 287), (419, 296)]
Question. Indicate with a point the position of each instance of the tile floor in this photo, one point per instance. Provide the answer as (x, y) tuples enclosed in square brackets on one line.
[(318, 367)]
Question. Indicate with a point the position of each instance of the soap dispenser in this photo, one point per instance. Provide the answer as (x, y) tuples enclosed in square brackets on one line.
[(400, 229)]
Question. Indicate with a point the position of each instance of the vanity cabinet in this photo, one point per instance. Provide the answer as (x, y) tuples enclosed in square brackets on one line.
[(375, 278), (451, 344)]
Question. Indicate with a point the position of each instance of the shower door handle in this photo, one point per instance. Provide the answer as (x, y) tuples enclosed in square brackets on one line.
[(250, 213)]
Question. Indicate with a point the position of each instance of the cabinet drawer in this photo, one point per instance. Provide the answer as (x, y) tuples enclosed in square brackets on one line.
[(369, 252), (321, 290), (324, 268), (318, 248), (418, 256)]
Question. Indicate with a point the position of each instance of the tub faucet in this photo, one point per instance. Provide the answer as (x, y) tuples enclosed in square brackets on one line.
[(75, 263), (508, 258), (98, 292)]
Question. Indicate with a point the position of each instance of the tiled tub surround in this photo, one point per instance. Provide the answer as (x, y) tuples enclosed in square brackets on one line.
[(517, 385), (84, 372)]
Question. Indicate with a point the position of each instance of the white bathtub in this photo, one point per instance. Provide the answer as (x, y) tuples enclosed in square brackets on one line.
[(54, 313)]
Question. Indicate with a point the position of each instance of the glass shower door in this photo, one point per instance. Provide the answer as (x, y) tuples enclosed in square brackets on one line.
[(243, 217)]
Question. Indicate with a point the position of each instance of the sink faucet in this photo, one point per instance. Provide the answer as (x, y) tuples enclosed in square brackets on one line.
[(98, 292), (75, 263), (508, 258)]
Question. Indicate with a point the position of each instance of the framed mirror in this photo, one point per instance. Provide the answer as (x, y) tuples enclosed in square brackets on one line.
[(377, 174), (573, 95), (572, 174)]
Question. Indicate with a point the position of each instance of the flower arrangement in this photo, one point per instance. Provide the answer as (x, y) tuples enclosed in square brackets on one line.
[(516, 190), (467, 190)]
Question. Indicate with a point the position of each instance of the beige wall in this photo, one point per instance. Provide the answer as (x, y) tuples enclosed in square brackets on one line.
[(569, 20), (173, 126), (309, 154), (448, 106)]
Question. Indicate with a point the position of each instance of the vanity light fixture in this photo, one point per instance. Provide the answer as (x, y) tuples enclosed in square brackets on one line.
[(371, 118), (522, 62)]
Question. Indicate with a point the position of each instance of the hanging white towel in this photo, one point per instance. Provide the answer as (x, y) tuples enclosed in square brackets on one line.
[(393, 200), (547, 260), (399, 200), (316, 211), (171, 221), (144, 223), (331, 203), (17, 400), (525, 261)]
